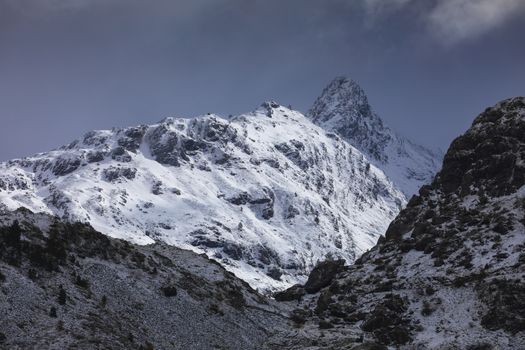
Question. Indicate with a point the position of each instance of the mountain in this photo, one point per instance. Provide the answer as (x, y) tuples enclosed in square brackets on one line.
[(450, 271), (343, 108), (66, 286), (267, 194), (448, 274)]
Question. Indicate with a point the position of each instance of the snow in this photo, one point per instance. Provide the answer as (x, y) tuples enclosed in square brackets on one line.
[(343, 202)]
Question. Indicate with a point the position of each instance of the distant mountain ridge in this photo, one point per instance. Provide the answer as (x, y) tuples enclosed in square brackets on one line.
[(343, 108), (267, 193)]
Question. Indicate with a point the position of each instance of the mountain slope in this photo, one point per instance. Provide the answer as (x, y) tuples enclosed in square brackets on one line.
[(267, 194), (343, 108), (450, 271), (66, 286)]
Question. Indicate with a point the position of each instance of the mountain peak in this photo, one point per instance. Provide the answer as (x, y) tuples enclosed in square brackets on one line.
[(343, 83), (343, 108), (344, 95), (270, 104)]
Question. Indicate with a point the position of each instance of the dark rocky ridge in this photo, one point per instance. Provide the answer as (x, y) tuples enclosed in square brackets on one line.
[(488, 158), (450, 271)]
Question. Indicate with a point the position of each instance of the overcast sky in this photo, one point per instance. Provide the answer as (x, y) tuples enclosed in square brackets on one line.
[(429, 67)]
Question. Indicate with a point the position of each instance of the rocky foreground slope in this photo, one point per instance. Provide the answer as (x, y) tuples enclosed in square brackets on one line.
[(343, 108), (450, 271), (66, 286), (267, 194)]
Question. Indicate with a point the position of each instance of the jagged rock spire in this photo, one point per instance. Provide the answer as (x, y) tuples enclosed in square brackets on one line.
[(343, 108)]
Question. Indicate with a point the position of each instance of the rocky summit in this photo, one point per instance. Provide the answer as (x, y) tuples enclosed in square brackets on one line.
[(343, 108), (450, 271)]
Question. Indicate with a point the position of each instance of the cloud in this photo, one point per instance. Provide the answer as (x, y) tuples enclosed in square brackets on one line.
[(451, 21), (457, 20)]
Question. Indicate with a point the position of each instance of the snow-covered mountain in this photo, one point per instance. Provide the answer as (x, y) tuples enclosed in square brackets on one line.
[(450, 271), (343, 108), (267, 193)]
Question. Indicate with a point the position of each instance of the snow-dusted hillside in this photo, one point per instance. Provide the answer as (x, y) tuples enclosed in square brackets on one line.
[(267, 194), (66, 286), (343, 108)]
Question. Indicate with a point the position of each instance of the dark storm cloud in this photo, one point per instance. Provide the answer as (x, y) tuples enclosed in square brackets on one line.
[(68, 66)]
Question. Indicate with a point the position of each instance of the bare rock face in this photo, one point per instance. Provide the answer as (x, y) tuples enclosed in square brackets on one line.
[(113, 174), (486, 160), (64, 166), (450, 271)]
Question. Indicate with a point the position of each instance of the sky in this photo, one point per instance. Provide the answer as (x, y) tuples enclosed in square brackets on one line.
[(428, 66)]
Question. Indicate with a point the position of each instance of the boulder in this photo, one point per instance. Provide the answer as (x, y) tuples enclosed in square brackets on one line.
[(323, 274), (295, 292)]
